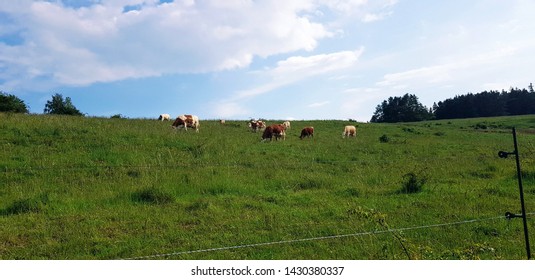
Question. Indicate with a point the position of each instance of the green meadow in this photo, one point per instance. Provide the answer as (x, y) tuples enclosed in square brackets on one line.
[(95, 188)]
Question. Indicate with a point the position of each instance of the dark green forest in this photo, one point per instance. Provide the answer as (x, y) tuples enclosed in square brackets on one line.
[(487, 104), (484, 104)]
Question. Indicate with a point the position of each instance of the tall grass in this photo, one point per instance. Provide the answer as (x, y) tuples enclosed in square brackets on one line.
[(91, 188)]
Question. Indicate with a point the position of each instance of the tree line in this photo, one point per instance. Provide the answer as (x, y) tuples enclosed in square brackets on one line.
[(404, 108), (407, 108), (57, 105)]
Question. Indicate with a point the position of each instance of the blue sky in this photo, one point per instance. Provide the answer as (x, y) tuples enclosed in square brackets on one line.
[(237, 59)]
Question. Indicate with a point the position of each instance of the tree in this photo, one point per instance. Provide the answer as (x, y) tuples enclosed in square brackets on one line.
[(11, 103), (401, 109), (487, 104), (59, 106)]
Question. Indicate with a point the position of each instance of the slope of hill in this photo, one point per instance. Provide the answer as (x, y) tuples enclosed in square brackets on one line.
[(91, 188)]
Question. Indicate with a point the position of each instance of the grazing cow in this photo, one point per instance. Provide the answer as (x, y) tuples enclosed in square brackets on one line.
[(185, 121), (349, 131), (307, 132), (256, 125), (164, 117), (274, 130), (286, 124)]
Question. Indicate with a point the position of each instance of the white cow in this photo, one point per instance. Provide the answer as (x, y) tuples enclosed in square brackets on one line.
[(349, 131), (164, 117), (286, 124)]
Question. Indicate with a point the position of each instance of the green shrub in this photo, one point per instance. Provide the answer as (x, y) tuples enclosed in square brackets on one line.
[(351, 192), (412, 183), (480, 126), (152, 196), (384, 139), (11, 103), (27, 205)]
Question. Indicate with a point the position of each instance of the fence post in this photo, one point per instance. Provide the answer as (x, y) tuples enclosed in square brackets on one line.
[(509, 215)]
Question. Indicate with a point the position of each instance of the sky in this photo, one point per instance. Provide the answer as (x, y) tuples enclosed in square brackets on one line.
[(271, 59)]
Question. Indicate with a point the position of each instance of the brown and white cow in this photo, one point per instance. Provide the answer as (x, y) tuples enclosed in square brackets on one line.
[(164, 117), (307, 132), (274, 130), (349, 131), (185, 121), (256, 125)]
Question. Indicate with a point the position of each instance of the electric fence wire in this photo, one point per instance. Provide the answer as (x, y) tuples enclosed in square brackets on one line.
[(319, 238)]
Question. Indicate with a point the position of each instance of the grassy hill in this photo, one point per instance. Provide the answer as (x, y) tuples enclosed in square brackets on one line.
[(93, 188)]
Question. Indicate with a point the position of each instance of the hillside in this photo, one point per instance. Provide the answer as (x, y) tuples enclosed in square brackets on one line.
[(92, 188)]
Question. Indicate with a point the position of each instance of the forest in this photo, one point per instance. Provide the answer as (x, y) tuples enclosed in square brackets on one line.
[(487, 104), (484, 104)]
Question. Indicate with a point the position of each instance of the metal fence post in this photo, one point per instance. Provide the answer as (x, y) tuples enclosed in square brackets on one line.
[(509, 215)]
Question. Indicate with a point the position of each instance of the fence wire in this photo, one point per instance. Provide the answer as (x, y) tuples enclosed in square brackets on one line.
[(203, 164), (319, 238)]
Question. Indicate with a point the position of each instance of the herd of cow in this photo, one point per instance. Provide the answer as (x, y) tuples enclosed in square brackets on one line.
[(274, 131)]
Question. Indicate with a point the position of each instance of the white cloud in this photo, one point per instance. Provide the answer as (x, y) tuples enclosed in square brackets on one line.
[(229, 110), (111, 40), (101, 42), (299, 68), (318, 104), (370, 17), (447, 72)]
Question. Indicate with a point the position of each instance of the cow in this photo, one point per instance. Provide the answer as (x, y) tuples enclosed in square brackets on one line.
[(307, 132), (286, 124), (185, 121), (164, 117), (349, 131), (274, 130), (256, 125)]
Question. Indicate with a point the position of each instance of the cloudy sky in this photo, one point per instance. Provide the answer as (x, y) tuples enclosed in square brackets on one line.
[(236, 59)]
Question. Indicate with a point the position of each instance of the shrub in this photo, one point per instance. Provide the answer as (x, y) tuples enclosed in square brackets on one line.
[(27, 205), (384, 139), (60, 106), (11, 103), (412, 183), (351, 192), (481, 126), (411, 130), (152, 196)]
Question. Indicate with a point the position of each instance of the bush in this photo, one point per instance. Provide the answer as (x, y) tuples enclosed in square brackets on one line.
[(480, 126), (384, 139), (59, 106), (27, 205), (152, 196), (412, 183), (11, 103)]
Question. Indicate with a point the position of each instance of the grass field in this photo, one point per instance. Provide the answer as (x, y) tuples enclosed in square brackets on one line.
[(94, 188)]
